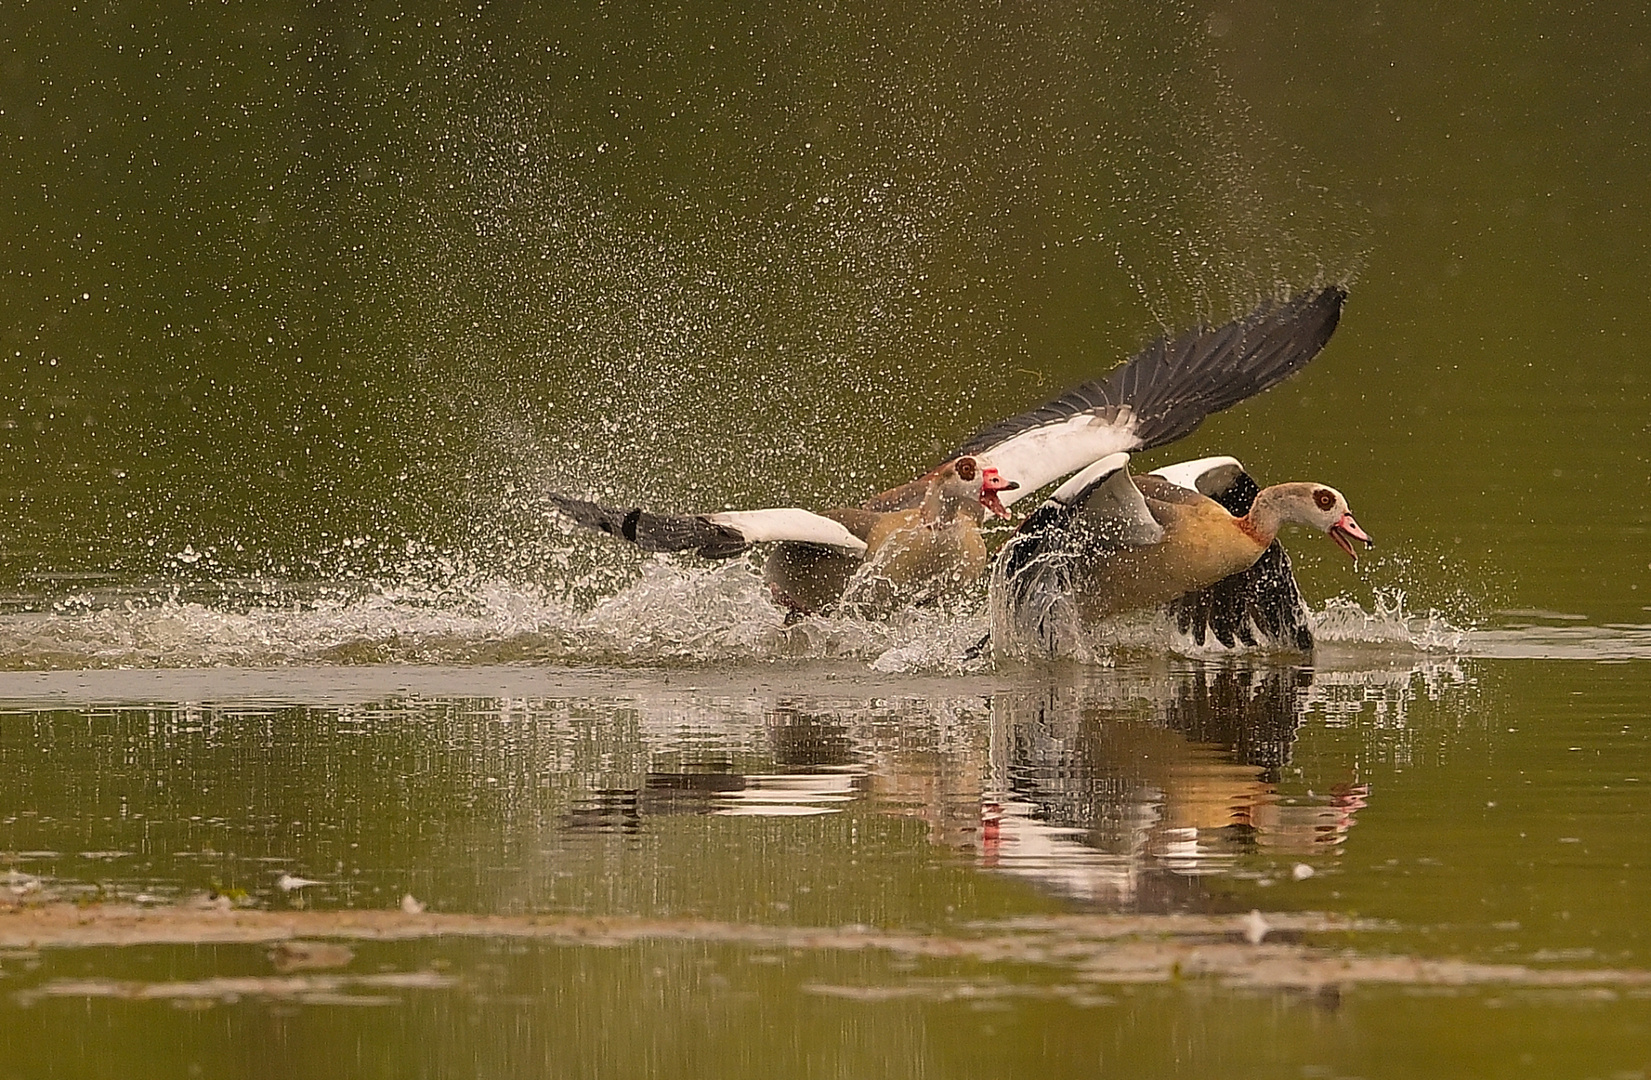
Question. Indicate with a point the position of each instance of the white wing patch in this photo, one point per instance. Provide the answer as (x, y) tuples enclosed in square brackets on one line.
[(1042, 455), (1068, 492), (1111, 504), (788, 523), (1208, 476)]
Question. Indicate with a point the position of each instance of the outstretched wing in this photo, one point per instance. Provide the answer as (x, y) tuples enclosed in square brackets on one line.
[(1262, 601), (1162, 394), (715, 536), (1031, 589)]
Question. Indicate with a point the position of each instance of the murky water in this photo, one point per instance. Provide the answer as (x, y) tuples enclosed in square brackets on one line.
[(327, 749), (825, 864)]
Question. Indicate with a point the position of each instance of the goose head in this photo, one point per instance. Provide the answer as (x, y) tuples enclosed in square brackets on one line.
[(1319, 507), (983, 482)]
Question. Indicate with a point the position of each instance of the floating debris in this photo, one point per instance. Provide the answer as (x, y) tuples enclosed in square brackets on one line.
[(289, 956), (1255, 928), (1082, 950), (304, 989)]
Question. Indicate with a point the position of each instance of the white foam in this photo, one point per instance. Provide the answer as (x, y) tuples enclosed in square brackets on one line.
[(665, 610), (1387, 622)]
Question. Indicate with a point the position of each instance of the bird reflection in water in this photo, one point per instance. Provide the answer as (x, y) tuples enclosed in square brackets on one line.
[(1128, 795), (812, 766), (1121, 788), (817, 768)]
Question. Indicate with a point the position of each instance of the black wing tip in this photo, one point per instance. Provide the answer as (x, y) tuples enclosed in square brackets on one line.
[(1327, 302), (591, 515), (654, 532), (1258, 606), (1331, 295), (1207, 370), (1175, 381)]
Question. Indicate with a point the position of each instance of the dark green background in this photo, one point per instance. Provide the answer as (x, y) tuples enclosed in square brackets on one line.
[(277, 275)]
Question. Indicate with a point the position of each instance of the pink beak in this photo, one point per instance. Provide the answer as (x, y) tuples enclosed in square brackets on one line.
[(1345, 531), (992, 482)]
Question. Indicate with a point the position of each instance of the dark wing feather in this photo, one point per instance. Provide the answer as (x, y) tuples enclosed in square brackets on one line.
[(1171, 385), (1263, 598), (1031, 585), (655, 532)]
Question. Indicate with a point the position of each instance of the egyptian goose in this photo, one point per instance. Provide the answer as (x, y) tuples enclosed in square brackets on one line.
[(914, 547), (923, 538), (1107, 542), (1260, 605)]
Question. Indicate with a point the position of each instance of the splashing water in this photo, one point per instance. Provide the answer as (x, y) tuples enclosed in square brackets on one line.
[(671, 613), (1343, 620), (596, 605), (668, 612)]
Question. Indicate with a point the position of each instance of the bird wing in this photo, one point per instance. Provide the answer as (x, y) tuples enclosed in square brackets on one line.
[(1211, 476), (1105, 500), (1160, 395), (1100, 508), (1260, 605), (715, 536), (1031, 590)]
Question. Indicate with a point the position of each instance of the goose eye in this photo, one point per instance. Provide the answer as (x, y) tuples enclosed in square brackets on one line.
[(965, 468), (1325, 499)]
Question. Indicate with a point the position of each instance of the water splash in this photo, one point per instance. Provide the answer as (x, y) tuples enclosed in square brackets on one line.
[(1388, 622), (595, 606), (670, 613)]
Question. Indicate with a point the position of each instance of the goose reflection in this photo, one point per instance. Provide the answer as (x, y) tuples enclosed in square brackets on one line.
[(1133, 787), (1130, 791), (812, 766), (818, 768)]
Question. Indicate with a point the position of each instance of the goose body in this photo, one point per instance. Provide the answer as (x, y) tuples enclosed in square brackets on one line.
[(1261, 605), (922, 539), (907, 561), (911, 555), (1200, 543), (1107, 542)]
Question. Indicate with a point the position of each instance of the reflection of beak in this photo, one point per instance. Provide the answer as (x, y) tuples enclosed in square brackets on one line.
[(992, 482), (1345, 531)]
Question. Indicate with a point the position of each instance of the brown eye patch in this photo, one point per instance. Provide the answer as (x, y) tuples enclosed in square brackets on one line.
[(965, 468), (1324, 498)]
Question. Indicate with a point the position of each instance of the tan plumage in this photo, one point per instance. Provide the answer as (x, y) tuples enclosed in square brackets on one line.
[(1108, 543), (914, 553), (1202, 543)]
